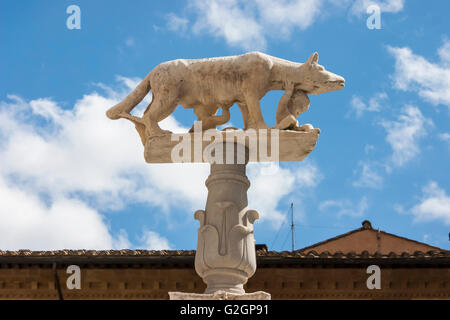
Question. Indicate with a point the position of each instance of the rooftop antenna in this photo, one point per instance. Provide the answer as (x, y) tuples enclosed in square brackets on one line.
[(292, 225)]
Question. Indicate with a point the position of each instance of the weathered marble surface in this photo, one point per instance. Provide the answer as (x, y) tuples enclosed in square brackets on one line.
[(207, 85), (289, 144), (225, 257), (220, 295)]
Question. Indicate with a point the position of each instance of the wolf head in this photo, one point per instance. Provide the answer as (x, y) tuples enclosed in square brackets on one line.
[(316, 79)]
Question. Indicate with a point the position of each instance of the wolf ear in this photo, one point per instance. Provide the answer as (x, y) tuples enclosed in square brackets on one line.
[(313, 59)]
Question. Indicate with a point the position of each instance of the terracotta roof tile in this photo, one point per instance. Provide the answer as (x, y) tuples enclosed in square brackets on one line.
[(93, 253), (392, 254), (260, 253)]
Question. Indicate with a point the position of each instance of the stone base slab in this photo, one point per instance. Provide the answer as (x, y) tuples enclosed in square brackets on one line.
[(290, 145), (220, 295)]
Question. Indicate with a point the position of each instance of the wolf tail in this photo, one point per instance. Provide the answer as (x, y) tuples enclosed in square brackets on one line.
[(123, 108)]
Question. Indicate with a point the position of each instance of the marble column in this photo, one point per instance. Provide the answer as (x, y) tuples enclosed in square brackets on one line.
[(225, 256)]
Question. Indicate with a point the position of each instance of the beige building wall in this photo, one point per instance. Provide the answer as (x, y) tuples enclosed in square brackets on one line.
[(372, 241), (368, 239), (308, 282)]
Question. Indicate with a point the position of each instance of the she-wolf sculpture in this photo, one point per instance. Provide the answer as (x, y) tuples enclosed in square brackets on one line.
[(209, 84)]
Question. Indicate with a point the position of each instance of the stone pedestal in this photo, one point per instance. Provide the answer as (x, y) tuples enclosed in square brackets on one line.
[(225, 256), (219, 295), (281, 145)]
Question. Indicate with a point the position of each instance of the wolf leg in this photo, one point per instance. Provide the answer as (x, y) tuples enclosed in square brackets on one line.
[(158, 110), (223, 118), (282, 109), (255, 114), (289, 122), (131, 101), (210, 120), (244, 110)]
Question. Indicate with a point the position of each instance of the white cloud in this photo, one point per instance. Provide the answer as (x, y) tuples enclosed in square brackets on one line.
[(398, 208), (285, 16), (231, 20), (248, 24), (121, 241), (368, 176), (176, 23), (129, 42), (368, 148), (359, 107), (444, 52), (435, 205), (404, 133), (270, 184), (153, 241), (48, 110), (445, 137), (60, 167), (346, 207), (26, 222), (91, 154), (415, 73), (359, 7), (307, 175)]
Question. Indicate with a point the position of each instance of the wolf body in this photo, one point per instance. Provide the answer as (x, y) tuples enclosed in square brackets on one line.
[(206, 85)]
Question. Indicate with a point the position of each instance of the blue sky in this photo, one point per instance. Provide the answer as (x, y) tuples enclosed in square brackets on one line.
[(72, 178)]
